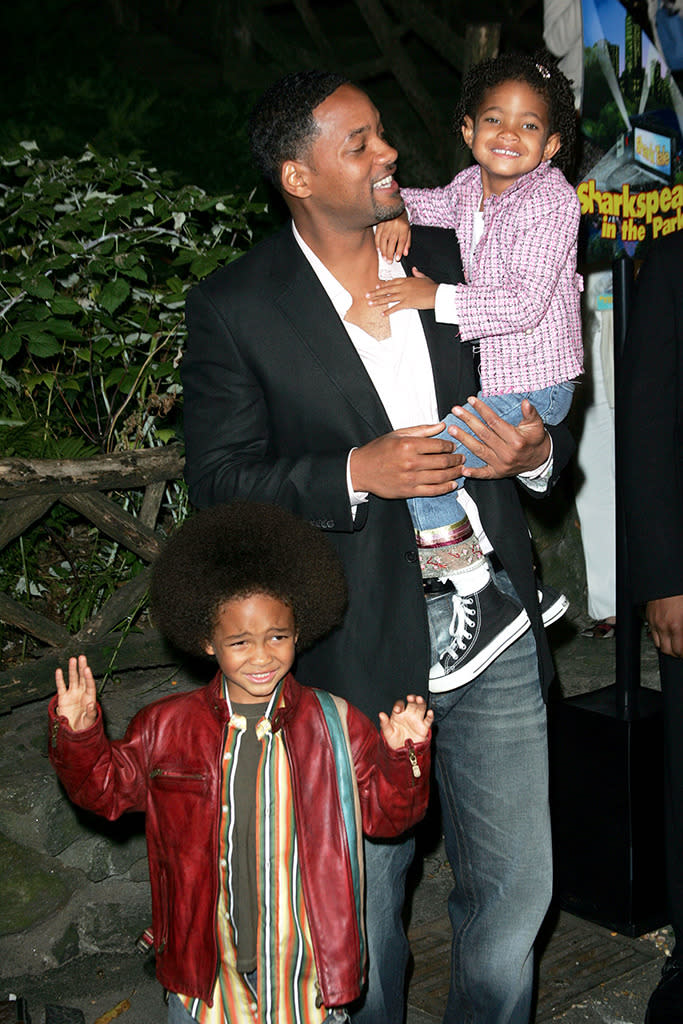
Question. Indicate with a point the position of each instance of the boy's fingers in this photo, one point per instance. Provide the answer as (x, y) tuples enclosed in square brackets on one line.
[(73, 672)]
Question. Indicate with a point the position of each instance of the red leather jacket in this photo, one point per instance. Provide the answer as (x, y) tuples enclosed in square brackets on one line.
[(168, 765)]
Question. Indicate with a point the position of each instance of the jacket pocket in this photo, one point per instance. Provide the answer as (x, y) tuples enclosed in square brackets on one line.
[(178, 779)]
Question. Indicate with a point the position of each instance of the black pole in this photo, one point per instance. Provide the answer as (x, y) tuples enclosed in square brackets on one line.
[(628, 630)]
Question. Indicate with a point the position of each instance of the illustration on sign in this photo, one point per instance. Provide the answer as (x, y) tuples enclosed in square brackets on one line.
[(632, 119)]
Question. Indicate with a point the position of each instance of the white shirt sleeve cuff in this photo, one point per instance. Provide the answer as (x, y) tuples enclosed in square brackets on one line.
[(355, 497), (538, 479), (445, 304)]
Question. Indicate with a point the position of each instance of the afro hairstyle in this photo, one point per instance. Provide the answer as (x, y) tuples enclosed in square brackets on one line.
[(542, 74), (281, 124), (238, 550)]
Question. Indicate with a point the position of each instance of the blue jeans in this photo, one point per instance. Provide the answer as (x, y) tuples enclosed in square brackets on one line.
[(552, 405), (386, 867), (492, 772)]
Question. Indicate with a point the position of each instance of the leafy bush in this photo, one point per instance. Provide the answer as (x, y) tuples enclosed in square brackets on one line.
[(98, 254)]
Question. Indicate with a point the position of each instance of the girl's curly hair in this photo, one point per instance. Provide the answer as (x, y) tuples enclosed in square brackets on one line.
[(238, 550), (542, 74)]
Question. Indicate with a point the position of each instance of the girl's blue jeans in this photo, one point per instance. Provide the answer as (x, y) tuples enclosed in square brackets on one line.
[(551, 403)]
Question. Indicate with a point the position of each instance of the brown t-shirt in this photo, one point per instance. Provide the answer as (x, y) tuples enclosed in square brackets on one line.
[(244, 850)]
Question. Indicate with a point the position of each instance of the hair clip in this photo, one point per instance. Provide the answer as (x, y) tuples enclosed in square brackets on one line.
[(543, 71)]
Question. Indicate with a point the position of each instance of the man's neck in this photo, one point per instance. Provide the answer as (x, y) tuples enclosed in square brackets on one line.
[(350, 256)]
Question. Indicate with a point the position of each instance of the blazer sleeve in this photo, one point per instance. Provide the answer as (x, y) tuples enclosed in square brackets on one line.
[(231, 424), (649, 413)]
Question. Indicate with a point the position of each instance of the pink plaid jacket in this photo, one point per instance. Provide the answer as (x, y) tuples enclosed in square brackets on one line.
[(522, 297)]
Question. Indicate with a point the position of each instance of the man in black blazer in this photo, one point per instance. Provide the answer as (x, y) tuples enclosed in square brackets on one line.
[(650, 453), (288, 378)]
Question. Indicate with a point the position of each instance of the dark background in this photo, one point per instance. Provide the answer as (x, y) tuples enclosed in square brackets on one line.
[(173, 79)]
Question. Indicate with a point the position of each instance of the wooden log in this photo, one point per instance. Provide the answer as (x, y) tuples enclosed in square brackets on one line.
[(116, 523), (481, 43), (24, 477), (151, 503), (432, 29), (117, 608), (17, 514), (37, 625), (35, 680), (315, 30), (388, 39)]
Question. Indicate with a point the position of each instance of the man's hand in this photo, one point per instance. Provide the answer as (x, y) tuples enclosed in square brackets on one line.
[(665, 616), (506, 450), (392, 238), (406, 463), (77, 701), (410, 720), (416, 292)]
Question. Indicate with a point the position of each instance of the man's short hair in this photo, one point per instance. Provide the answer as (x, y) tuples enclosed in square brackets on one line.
[(282, 126)]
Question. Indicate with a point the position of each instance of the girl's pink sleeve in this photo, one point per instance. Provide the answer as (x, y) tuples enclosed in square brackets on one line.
[(431, 207)]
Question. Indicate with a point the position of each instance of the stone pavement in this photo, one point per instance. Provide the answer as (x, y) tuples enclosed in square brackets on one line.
[(587, 974)]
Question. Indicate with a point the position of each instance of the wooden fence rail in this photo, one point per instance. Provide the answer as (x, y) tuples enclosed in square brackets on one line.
[(28, 489)]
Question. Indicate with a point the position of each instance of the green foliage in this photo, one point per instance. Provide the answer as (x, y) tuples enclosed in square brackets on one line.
[(98, 254)]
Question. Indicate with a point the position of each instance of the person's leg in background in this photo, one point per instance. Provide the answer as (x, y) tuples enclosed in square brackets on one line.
[(666, 1002), (595, 496), (386, 868), (492, 772)]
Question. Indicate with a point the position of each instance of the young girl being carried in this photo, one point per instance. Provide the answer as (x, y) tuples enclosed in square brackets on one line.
[(516, 218)]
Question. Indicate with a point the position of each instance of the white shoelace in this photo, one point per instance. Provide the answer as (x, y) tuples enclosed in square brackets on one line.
[(462, 622)]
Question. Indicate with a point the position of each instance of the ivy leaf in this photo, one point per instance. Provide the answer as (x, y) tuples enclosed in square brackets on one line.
[(114, 294), (203, 265), (42, 345), (62, 305), (10, 343), (63, 329), (39, 287)]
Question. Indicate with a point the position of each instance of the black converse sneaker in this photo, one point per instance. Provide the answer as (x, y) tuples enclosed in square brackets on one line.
[(553, 603), (482, 626)]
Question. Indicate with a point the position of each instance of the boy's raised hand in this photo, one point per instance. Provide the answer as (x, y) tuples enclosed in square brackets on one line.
[(77, 701), (409, 720), (416, 292), (392, 238)]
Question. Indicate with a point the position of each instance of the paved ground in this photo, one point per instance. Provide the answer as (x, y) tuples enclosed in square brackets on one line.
[(587, 974)]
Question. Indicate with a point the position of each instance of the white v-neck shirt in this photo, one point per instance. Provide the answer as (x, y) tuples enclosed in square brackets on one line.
[(401, 372)]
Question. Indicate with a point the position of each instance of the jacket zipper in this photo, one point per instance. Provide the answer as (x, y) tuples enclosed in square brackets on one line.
[(412, 757), (221, 751), (163, 772)]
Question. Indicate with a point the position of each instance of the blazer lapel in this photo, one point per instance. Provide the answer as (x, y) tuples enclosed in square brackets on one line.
[(304, 303), (435, 252)]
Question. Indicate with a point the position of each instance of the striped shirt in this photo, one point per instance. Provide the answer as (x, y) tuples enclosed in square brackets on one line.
[(522, 293), (287, 988)]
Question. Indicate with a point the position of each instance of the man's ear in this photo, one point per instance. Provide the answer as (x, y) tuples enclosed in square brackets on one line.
[(294, 177), (467, 129), (552, 146)]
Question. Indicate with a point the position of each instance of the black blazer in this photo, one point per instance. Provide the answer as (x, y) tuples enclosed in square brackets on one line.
[(650, 424), (276, 395)]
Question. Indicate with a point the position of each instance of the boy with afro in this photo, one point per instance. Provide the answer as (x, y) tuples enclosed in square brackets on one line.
[(257, 791)]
